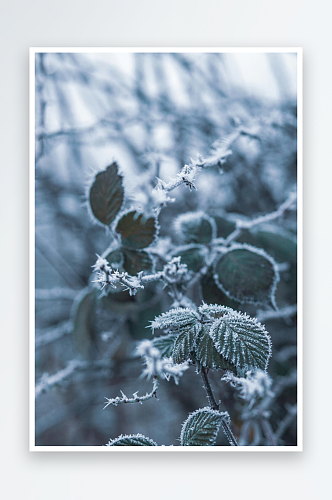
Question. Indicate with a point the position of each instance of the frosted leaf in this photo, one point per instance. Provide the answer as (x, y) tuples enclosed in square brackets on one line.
[(242, 340), (131, 440), (165, 344), (214, 310), (247, 274), (106, 195), (201, 427), (175, 319), (195, 227), (184, 343), (207, 354)]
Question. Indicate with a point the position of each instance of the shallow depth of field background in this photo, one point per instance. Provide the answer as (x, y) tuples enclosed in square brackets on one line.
[(92, 109)]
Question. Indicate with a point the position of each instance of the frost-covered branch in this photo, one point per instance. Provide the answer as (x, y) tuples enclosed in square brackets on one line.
[(157, 368), (135, 399), (107, 276), (187, 176), (48, 381), (249, 224), (54, 334), (172, 273)]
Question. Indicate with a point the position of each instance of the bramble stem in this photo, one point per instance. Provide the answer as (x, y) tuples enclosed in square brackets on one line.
[(208, 390), (212, 401)]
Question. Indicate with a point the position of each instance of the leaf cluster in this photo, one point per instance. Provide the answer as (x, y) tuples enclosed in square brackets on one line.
[(214, 337)]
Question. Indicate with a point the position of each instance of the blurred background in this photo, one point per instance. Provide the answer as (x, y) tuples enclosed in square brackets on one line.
[(152, 112)]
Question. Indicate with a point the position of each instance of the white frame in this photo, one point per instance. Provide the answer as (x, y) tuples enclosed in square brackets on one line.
[(104, 449)]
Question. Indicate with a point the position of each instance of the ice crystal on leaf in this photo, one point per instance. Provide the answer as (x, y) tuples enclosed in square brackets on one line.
[(174, 319)]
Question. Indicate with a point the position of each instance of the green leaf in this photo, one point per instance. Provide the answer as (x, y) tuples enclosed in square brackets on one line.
[(83, 319), (115, 259), (184, 344), (106, 195), (165, 344), (282, 247), (201, 427), (175, 319), (224, 226), (206, 353), (247, 274), (212, 293), (132, 440), (195, 227), (136, 261), (136, 231), (191, 255), (241, 340)]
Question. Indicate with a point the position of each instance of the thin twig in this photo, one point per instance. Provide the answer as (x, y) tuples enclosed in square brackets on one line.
[(48, 381), (54, 334), (136, 399)]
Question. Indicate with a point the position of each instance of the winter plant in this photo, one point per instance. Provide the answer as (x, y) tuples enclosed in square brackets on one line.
[(195, 258)]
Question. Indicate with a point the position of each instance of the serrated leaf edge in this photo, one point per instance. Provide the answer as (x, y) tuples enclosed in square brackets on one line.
[(262, 253), (112, 442), (257, 323), (206, 409)]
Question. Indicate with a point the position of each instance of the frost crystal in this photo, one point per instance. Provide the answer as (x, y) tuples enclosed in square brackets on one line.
[(158, 367), (255, 385)]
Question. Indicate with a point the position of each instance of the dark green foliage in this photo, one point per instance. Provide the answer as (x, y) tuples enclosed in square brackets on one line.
[(224, 226), (195, 227), (192, 255), (165, 344), (281, 247), (201, 428), (212, 293), (184, 344), (247, 275), (136, 231), (115, 259), (106, 195), (207, 355), (136, 261)]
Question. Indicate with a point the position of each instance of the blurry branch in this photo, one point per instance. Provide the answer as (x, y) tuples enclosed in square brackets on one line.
[(285, 312), (280, 385), (55, 293), (58, 262), (286, 421), (54, 334), (285, 353), (48, 381), (241, 224)]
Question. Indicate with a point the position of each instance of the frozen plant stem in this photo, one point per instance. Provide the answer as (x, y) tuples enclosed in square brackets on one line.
[(212, 401), (208, 390)]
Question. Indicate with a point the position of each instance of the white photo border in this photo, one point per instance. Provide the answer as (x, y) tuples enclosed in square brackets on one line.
[(33, 51)]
